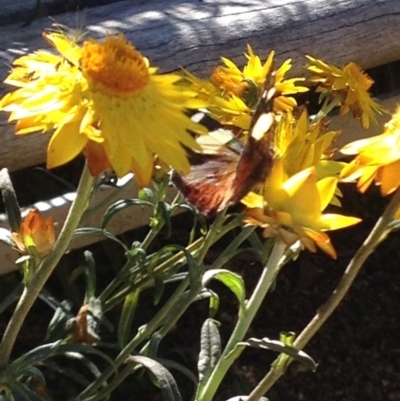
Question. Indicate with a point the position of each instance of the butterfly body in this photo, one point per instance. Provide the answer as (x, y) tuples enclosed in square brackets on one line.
[(221, 179)]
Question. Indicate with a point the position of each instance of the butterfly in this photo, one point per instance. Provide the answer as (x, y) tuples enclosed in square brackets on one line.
[(222, 179)]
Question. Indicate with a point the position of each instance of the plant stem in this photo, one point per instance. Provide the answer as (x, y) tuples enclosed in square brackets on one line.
[(170, 313), (194, 291), (245, 319), (35, 285), (376, 236), (143, 282), (233, 247)]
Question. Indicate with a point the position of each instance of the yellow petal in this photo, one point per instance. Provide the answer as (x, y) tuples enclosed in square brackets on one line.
[(332, 221), (65, 144), (326, 188), (390, 178), (253, 200)]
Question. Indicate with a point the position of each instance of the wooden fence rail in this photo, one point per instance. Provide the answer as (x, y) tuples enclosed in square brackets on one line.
[(195, 34)]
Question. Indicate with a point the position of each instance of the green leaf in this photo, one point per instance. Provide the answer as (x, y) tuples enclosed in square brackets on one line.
[(90, 273), (121, 205), (43, 352), (213, 304), (180, 368), (58, 324), (164, 378), (125, 321), (99, 232), (36, 374), (159, 285), (281, 347), (169, 249), (10, 201), (233, 281), (210, 350), (94, 317), (164, 214), (23, 392)]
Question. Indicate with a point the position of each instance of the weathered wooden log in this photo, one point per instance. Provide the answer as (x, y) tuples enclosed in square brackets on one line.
[(195, 34)]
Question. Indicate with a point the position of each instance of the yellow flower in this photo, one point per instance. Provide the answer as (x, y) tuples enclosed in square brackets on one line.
[(301, 144), (232, 94), (378, 159), (102, 99), (232, 80), (291, 208), (351, 84), (36, 236)]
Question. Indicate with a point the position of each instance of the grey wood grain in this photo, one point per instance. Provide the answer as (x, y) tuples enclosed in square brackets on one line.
[(195, 34)]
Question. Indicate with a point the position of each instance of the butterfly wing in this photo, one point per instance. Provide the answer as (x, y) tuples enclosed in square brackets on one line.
[(209, 184), (257, 157), (221, 178)]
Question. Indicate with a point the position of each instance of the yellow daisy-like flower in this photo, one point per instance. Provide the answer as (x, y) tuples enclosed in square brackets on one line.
[(232, 80), (291, 208), (232, 94), (301, 144), (378, 159), (351, 84), (102, 99)]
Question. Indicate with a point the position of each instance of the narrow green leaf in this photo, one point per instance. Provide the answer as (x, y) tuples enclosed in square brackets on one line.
[(159, 286), (99, 232), (121, 205), (169, 249), (210, 350), (58, 323), (163, 215), (126, 319), (23, 392), (180, 368), (165, 379), (90, 273), (94, 317), (281, 347), (213, 304), (10, 201), (233, 281), (43, 352), (32, 372)]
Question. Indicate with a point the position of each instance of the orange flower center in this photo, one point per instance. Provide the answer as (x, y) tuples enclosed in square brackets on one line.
[(115, 66), (361, 77)]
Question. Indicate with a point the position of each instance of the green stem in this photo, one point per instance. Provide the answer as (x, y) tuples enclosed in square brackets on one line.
[(35, 285), (174, 309), (245, 319), (327, 107), (151, 235), (182, 306), (144, 282), (124, 274), (376, 236), (213, 233), (233, 247)]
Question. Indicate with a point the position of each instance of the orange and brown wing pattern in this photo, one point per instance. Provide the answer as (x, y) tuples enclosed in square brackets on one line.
[(221, 179), (209, 184)]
